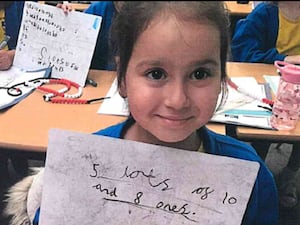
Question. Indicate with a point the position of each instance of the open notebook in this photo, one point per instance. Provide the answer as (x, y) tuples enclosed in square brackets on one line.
[(243, 110)]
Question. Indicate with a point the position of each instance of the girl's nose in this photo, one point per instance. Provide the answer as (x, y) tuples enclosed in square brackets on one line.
[(176, 95)]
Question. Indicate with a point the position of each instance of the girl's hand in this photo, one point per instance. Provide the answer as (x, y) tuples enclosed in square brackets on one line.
[(294, 59), (6, 59), (66, 7)]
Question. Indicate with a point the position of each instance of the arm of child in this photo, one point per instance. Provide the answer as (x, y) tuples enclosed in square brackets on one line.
[(65, 6), (6, 59)]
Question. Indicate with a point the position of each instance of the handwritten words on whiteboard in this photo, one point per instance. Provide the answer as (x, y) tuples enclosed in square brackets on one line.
[(93, 179), (50, 38)]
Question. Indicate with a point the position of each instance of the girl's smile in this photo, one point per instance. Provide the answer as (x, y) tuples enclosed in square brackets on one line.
[(174, 121)]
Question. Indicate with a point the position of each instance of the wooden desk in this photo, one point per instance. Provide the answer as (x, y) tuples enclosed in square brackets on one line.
[(237, 9), (79, 6), (76, 6), (25, 126)]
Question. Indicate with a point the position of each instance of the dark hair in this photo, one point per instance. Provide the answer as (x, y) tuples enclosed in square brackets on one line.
[(135, 16)]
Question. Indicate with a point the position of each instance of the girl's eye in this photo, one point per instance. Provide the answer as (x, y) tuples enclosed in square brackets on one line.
[(200, 74), (156, 74)]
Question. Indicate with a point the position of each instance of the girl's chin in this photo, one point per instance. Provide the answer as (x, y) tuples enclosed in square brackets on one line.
[(169, 138)]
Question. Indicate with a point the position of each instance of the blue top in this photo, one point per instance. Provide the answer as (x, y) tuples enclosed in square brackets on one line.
[(262, 208), (255, 36), (102, 58), (13, 19)]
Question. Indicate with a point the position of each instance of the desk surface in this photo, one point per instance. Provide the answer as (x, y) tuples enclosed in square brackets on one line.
[(239, 9), (25, 126), (80, 6), (76, 6)]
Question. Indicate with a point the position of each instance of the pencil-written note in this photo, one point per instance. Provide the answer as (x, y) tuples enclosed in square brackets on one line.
[(92, 179), (50, 38)]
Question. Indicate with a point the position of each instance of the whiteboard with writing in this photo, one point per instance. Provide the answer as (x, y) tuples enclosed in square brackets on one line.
[(50, 38), (90, 179)]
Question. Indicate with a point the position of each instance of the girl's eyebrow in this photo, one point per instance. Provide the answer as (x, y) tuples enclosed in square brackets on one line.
[(157, 63), (206, 62)]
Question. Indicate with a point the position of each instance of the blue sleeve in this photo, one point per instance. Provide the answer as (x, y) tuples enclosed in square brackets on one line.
[(102, 57), (36, 217), (254, 38), (13, 19), (263, 208), (263, 205)]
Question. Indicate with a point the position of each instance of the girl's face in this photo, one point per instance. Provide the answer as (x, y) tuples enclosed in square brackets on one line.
[(173, 80)]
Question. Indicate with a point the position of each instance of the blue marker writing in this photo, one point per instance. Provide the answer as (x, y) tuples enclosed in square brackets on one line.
[(96, 23)]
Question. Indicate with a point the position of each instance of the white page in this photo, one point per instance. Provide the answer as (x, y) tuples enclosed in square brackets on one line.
[(243, 110), (8, 76), (48, 37), (115, 104), (244, 120), (16, 76), (237, 100), (95, 180)]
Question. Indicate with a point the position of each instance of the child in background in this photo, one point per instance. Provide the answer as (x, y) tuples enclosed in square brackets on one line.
[(171, 67), (102, 57), (11, 17), (269, 33), (11, 13)]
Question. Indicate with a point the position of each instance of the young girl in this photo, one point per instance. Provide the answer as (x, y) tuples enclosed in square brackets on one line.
[(171, 59)]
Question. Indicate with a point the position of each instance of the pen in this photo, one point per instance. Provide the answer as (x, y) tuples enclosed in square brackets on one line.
[(4, 42), (265, 107), (91, 82)]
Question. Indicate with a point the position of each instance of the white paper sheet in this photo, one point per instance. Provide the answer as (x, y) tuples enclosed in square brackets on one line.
[(242, 110), (14, 76), (98, 180), (48, 38), (238, 100), (115, 105)]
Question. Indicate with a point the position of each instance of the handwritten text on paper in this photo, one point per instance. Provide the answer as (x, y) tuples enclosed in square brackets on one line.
[(50, 38), (102, 180)]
